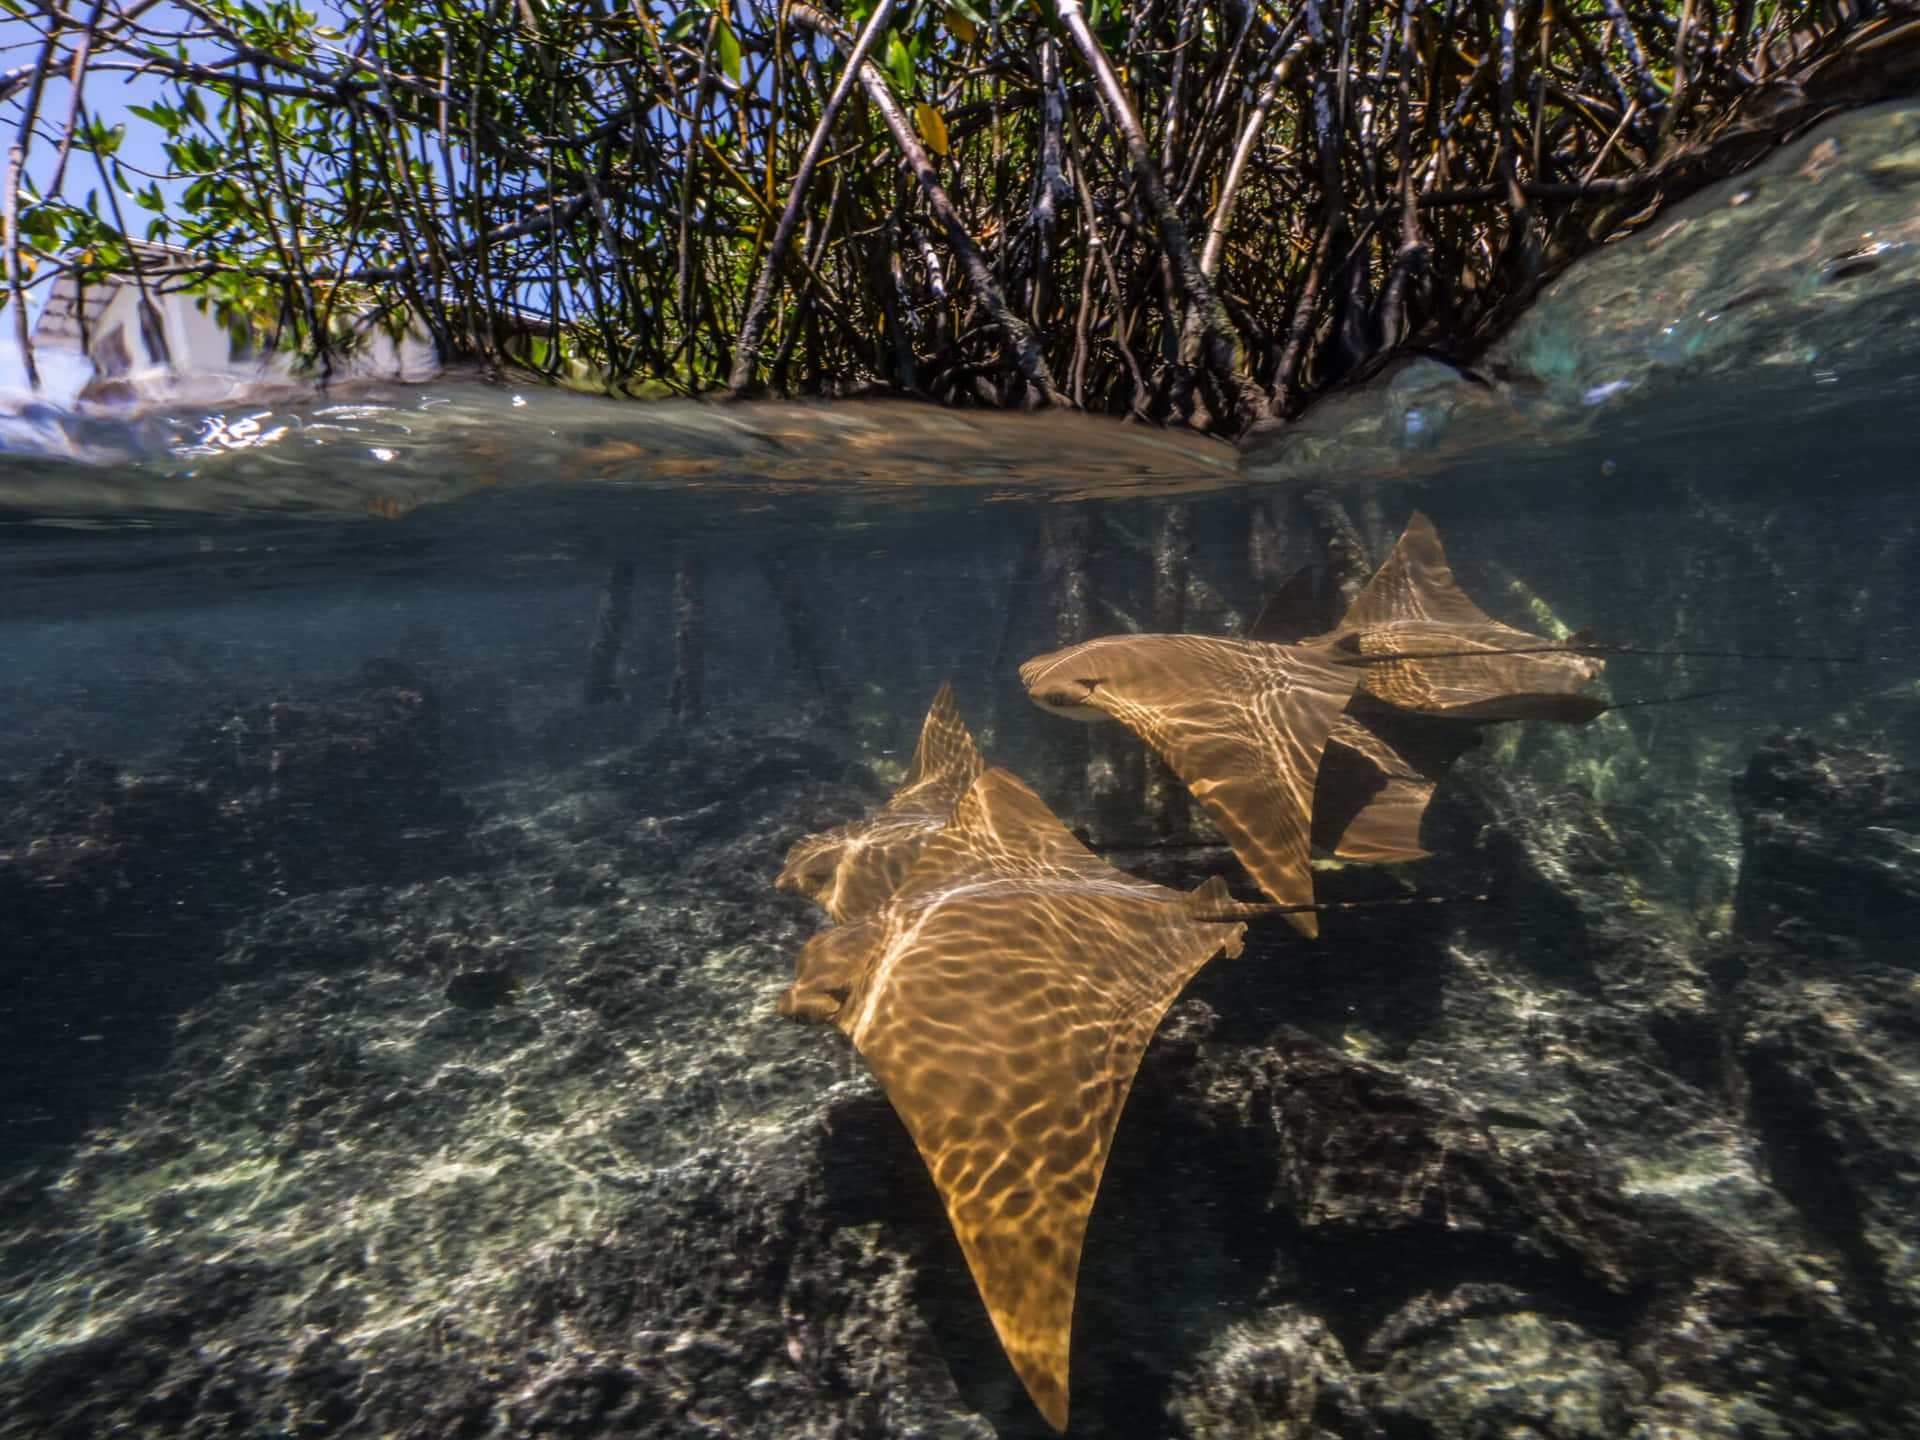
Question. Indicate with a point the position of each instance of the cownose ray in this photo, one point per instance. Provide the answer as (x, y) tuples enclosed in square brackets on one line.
[(853, 868), (1003, 998), (1243, 724), (1416, 649), (1452, 667), (1378, 772), (1424, 647)]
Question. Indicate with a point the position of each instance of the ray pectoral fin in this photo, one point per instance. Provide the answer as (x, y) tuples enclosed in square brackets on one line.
[(1416, 583), (1023, 1247), (1369, 799), (1292, 717), (1011, 1096), (1006, 1032), (1386, 829), (1245, 729), (1267, 827), (1015, 1128)]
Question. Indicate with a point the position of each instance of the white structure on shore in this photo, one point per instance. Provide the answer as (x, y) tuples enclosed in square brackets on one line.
[(145, 344)]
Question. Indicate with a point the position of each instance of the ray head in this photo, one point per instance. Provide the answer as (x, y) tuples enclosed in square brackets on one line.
[(812, 865), (1064, 683)]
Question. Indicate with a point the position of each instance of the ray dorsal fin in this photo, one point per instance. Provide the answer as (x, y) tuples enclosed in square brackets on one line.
[(1008, 991), (852, 869), (1001, 829), (946, 759), (1416, 583), (1212, 897), (1213, 901), (1292, 612)]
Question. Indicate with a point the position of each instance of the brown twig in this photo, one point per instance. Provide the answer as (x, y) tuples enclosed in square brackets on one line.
[(753, 327), (1026, 349)]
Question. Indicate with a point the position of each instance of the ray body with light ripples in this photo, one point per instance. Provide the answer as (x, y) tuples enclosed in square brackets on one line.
[(1243, 724), (852, 869), (1451, 660), (1335, 739), (1003, 998)]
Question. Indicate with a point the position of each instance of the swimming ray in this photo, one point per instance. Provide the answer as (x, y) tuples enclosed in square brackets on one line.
[(1003, 997), (1368, 799), (1383, 760), (853, 868), (1414, 610), (1243, 724)]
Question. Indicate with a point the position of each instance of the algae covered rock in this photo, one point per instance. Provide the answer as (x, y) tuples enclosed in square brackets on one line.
[(1827, 1011), (1832, 842)]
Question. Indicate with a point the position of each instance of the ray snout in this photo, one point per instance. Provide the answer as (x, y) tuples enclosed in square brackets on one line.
[(1062, 684)]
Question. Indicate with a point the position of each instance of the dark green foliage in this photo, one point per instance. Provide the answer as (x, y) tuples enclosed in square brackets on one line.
[(1267, 198)]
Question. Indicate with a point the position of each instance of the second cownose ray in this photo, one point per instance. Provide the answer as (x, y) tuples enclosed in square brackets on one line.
[(1246, 723)]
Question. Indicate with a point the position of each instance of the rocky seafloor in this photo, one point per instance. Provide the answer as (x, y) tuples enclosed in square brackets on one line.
[(347, 1105)]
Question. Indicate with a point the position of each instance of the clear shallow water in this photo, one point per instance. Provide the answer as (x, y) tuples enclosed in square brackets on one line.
[(391, 1030), (156, 647), (1773, 520)]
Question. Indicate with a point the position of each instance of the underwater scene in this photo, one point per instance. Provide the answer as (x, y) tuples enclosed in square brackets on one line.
[(532, 915)]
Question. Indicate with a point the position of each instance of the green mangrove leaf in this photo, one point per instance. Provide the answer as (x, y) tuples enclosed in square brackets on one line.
[(899, 65)]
